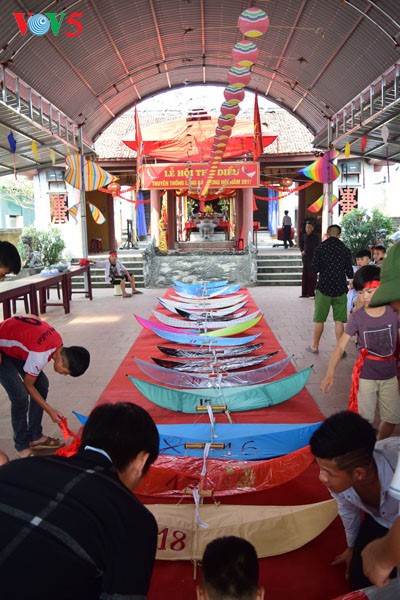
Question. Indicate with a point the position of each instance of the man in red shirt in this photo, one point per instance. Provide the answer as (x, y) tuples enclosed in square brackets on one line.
[(27, 344)]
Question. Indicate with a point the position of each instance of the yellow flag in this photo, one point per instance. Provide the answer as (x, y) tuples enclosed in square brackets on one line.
[(52, 156), (35, 151), (347, 150)]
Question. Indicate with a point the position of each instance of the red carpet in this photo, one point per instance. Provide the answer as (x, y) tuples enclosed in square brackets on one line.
[(305, 573)]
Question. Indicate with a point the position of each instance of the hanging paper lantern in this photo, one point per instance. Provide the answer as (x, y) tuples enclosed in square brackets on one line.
[(228, 110), (253, 22), (245, 54), (224, 122), (114, 188), (233, 95), (347, 150), (238, 77), (222, 133)]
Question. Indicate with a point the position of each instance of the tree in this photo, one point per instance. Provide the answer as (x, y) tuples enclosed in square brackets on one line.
[(360, 230)]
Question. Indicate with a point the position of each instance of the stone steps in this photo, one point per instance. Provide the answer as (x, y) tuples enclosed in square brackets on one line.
[(279, 270)]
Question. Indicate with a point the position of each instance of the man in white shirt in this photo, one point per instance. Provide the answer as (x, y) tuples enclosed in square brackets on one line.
[(357, 470), (287, 230)]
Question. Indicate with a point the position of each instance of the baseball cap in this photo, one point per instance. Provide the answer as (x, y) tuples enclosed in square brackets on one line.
[(389, 290)]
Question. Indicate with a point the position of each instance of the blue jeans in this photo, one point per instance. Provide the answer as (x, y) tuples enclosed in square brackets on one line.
[(26, 414)]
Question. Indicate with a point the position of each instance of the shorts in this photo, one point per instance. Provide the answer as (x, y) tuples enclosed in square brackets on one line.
[(385, 392), (323, 304), (117, 280)]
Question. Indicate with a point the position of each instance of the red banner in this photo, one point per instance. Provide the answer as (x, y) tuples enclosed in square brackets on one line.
[(180, 176)]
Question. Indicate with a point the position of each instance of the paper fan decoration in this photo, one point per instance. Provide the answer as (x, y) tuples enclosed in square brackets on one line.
[(323, 170), (97, 215), (317, 205), (94, 176), (73, 211), (334, 201)]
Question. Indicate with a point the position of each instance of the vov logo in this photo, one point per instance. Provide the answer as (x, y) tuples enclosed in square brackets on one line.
[(41, 23)]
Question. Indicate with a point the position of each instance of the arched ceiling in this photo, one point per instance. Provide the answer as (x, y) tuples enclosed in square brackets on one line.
[(316, 57)]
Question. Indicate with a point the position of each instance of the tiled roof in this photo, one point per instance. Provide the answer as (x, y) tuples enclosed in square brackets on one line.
[(293, 137)]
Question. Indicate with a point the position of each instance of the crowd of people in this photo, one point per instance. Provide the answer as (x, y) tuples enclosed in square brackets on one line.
[(93, 532)]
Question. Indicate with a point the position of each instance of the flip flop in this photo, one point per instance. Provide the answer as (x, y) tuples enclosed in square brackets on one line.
[(136, 292), (127, 296), (49, 444), (309, 349)]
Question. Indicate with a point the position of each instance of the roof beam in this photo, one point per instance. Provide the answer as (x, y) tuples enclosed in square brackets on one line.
[(285, 47), (155, 21), (114, 45)]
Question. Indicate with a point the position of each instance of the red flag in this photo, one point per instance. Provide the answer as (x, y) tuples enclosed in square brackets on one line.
[(139, 149), (258, 143)]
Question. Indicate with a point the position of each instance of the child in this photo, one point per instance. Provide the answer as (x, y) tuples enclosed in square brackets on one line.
[(230, 570), (379, 255), (10, 260), (363, 258), (357, 471), (27, 344), (116, 273), (374, 374)]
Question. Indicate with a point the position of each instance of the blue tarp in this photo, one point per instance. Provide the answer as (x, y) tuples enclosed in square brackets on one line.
[(141, 227), (273, 212)]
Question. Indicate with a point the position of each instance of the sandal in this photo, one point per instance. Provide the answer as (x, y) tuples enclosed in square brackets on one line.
[(26, 453), (127, 296), (48, 444), (309, 349), (136, 292)]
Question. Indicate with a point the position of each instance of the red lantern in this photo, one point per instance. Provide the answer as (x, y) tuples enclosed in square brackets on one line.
[(253, 22), (238, 77), (233, 95), (228, 110), (245, 54), (114, 188)]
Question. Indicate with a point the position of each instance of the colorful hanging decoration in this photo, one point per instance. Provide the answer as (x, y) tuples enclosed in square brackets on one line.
[(94, 176), (139, 151), (239, 77), (317, 205), (12, 142), (245, 54), (97, 215), (334, 201), (35, 152), (323, 170), (347, 154), (114, 188), (52, 156), (385, 137), (364, 141), (258, 143), (253, 22), (73, 212), (233, 95)]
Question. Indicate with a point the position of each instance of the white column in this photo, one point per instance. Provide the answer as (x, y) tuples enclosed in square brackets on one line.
[(155, 201), (247, 215)]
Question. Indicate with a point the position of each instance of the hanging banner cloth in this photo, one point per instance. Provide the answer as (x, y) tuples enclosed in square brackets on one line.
[(183, 140), (94, 176)]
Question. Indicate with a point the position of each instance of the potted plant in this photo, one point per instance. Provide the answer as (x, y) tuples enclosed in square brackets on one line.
[(51, 245)]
